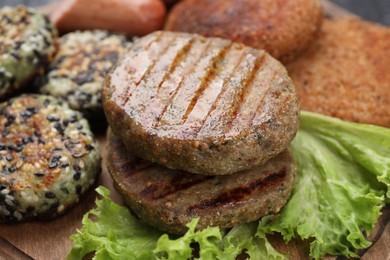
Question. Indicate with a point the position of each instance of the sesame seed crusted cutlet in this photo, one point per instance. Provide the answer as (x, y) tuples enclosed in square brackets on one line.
[(28, 43), (79, 69), (48, 158)]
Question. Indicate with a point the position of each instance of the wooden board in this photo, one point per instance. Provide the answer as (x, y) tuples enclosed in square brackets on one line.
[(50, 240)]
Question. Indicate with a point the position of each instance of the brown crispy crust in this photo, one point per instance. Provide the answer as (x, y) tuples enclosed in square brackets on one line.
[(169, 199), (281, 27), (346, 72)]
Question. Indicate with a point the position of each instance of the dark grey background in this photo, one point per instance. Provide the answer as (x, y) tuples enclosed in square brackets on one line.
[(373, 10)]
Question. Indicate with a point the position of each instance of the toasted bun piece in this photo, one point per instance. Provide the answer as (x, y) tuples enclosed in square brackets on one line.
[(203, 105), (169, 199), (48, 158), (282, 27), (28, 42), (346, 72)]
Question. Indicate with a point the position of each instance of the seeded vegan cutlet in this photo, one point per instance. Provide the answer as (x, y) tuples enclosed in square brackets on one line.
[(169, 199), (28, 43), (48, 158), (77, 73)]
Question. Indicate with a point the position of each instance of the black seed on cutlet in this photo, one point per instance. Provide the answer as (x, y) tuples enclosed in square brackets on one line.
[(52, 118), (89, 147), (79, 126), (5, 133), (41, 140), (9, 157), (73, 118), (59, 128), (39, 174), (64, 165), (3, 146), (12, 168), (52, 165), (55, 158), (11, 147), (26, 140), (46, 102), (25, 113), (19, 148), (50, 195), (78, 189), (76, 176), (37, 133)]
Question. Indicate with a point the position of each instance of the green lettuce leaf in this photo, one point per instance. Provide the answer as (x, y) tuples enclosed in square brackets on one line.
[(343, 173), (343, 181), (111, 232)]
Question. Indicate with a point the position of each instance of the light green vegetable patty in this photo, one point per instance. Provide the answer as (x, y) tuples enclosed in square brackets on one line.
[(48, 158), (79, 69), (28, 42)]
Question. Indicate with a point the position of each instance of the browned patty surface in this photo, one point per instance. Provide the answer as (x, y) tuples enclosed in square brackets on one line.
[(282, 27), (346, 72), (169, 199), (203, 105)]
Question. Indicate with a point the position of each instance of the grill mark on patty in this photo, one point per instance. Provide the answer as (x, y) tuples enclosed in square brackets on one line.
[(181, 181), (130, 168), (168, 87), (176, 91), (217, 119), (209, 77), (130, 88), (261, 101), (149, 115), (157, 75), (193, 82), (244, 92), (239, 193)]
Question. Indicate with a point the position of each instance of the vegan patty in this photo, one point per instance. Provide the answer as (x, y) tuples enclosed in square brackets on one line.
[(48, 158), (169, 199), (77, 72), (346, 72), (28, 43), (282, 27), (202, 105)]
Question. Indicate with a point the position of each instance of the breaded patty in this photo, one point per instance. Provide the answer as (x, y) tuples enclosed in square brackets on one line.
[(77, 73), (202, 105), (346, 72), (28, 42), (283, 28), (48, 158), (169, 199)]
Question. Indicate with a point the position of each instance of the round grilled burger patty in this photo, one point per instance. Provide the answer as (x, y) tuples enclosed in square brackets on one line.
[(48, 158), (77, 73), (202, 105), (28, 42), (284, 28), (169, 199)]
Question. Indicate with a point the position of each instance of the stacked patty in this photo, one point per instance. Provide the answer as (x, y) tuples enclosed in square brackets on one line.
[(77, 73), (203, 106), (28, 43), (48, 158)]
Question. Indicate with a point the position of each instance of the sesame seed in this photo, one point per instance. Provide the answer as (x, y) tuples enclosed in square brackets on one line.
[(78, 155), (52, 118), (52, 165), (2, 146), (89, 147), (9, 157), (39, 174)]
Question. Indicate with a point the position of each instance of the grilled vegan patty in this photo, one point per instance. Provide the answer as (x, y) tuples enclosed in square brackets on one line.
[(48, 158), (77, 72), (202, 105), (346, 72), (28, 42), (169, 199), (282, 27)]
